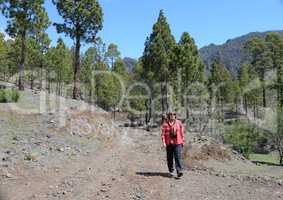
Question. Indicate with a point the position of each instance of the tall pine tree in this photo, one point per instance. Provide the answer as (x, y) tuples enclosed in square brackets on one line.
[(261, 61), (24, 18), (156, 59), (82, 21), (186, 67), (243, 83)]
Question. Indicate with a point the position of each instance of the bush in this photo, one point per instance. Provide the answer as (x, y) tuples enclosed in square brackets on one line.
[(9, 95), (244, 137)]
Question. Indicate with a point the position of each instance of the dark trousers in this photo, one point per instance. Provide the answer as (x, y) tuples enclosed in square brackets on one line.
[(174, 152)]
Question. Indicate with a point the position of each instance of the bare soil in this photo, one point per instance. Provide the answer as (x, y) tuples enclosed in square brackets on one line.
[(42, 161)]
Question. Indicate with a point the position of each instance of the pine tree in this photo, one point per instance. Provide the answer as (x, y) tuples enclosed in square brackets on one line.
[(100, 66), (156, 59), (24, 18), (261, 61), (219, 85), (121, 79), (3, 56), (243, 83), (113, 53), (274, 42), (254, 92), (82, 20), (37, 49), (186, 67), (12, 59), (59, 63)]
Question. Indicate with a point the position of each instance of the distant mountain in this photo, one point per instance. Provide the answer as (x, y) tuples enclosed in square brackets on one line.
[(231, 53), (130, 62)]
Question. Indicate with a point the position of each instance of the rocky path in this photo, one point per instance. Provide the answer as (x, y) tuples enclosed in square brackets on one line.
[(131, 167)]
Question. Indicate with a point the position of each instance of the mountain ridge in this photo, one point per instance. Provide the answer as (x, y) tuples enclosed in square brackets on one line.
[(231, 53)]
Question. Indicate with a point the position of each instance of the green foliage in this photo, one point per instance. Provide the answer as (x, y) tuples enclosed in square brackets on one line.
[(9, 65), (261, 56), (220, 79), (88, 65), (121, 69), (137, 71), (9, 95), (82, 21), (112, 53), (243, 137), (157, 57), (157, 52), (186, 66), (136, 99), (37, 47), (103, 86), (188, 60), (234, 93), (82, 18), (107, 91), (266, 52), (277, 137), (60, 61), (244, 76), (25, 18), (3, 55)]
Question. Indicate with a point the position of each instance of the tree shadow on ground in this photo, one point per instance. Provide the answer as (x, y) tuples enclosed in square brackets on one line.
[(150, 174), (265, 163)]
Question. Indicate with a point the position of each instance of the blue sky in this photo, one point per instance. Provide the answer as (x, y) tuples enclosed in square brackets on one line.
[(128, 22)]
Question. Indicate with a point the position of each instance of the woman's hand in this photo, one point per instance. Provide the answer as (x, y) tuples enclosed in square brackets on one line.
[(164, 144)]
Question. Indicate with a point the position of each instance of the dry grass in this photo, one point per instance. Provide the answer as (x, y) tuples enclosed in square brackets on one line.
[(205, 150)]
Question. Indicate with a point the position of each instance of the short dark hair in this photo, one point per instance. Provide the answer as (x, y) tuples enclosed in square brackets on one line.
[(171, 113)]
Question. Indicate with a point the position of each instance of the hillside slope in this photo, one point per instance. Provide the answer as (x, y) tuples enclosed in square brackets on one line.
[(231, 53)]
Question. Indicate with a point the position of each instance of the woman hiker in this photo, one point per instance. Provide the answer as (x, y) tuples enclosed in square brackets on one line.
[(173, 138)]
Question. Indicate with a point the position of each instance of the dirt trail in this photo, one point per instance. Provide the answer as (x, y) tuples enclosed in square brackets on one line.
[(132, 167)]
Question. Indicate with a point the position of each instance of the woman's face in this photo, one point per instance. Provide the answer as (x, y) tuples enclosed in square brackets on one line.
[(171, 116)]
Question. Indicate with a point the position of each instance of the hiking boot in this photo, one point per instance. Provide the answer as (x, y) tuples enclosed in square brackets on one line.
[(171, 174), (179, 174)]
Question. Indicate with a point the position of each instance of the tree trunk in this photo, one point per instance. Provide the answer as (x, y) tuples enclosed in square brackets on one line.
[(222, 110), (112, 62), (41, 75), (246, 104), (76, 68), (114, 113), (90, 95), (281, 156), (31, 79), (166, 97), (61, 83), (279, 118), (22, 61), (162, 98), (48, 81), (263, 95), (254, 110), (148, 113), (61, 88)]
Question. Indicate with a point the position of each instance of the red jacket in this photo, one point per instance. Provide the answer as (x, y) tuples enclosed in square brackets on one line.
[(178, 128)]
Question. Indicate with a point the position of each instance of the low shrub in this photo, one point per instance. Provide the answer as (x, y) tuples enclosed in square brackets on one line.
[(244, 137), (9, 95)]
